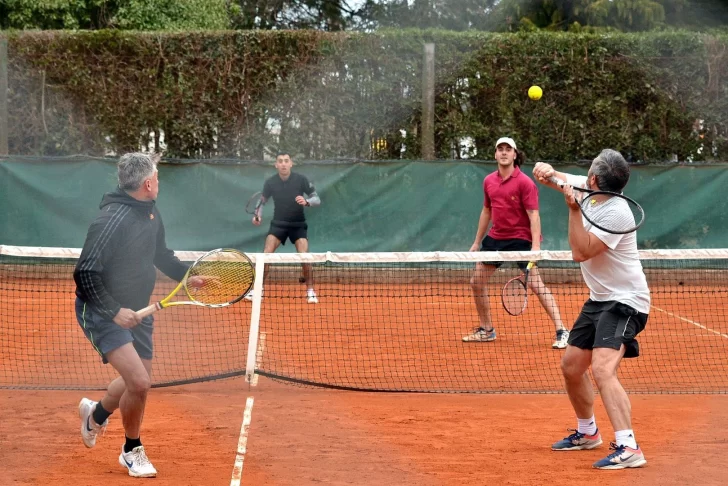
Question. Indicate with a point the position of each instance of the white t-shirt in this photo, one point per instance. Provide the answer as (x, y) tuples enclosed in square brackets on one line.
[(615, 274)]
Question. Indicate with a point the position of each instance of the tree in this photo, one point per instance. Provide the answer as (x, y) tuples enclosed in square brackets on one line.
[(328, 15), (441, 14), (512, 15), (621, 15), (337, 15), (122, 14), (703, 13)]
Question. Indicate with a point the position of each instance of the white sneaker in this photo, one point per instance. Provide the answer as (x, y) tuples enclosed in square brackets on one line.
[(480, 335), (137, 463), (561, 340), (312, 299), (89, 429)]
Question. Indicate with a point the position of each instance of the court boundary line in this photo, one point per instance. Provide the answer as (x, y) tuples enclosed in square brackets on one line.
[(258, 358), (690, 321), (237, 475)]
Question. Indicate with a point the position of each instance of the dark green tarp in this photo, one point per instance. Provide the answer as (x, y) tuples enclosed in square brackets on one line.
[(366, 206)]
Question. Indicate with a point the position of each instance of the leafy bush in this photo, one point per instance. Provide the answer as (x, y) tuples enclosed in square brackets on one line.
[(244, 94)]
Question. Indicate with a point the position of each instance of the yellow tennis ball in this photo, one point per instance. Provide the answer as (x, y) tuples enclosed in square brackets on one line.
[(535, 93)]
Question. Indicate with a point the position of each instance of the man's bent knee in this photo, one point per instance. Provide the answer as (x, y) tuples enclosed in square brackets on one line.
[(605, 362), (569, 370), (139, 384), (573, 368), (603, 371)]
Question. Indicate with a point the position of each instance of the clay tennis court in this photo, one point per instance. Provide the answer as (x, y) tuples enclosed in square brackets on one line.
[(310, 436), (305, 435)]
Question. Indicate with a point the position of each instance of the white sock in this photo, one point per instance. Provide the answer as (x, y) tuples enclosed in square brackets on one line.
[(625, 438), (587, 426), (310, 293)]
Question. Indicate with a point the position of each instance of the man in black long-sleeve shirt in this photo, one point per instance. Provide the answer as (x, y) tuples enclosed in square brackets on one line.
[(115, 276), (291, 192)]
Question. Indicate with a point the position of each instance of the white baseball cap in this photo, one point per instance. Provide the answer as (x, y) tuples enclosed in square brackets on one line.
[(507, 140)]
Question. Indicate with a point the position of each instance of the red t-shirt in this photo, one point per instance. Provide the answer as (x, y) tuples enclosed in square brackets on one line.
[(508, 201)]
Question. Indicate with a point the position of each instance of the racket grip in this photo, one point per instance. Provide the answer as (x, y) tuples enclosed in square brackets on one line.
[(148, 310), (556, 181)]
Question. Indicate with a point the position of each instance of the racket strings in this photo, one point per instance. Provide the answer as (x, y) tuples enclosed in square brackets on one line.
[(514, 296), (226, 281), (253, 203), (615, 215)]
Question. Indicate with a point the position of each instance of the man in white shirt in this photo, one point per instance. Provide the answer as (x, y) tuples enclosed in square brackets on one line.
[(617, 310)]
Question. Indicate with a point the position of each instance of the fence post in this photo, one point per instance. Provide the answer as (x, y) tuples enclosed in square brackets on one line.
[(428, 103), (3, 95)]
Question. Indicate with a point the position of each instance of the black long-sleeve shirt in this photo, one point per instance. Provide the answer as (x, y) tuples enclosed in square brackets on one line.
[(287, 211), (123, 246)]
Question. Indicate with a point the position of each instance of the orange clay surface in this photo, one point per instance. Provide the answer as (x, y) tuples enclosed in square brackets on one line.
[(310, 436), (377, 336), (304, 436), (410, 339)]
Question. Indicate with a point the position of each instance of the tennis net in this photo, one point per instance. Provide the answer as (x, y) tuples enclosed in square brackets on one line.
[(384, 322)]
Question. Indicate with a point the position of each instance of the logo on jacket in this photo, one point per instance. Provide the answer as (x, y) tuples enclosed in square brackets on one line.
[(151, 215)]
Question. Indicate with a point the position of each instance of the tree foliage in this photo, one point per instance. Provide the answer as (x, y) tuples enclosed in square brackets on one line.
[(557, 15), (326, 15), (368, 15), (327, 95), (440, 14), (622, 15), (121, 14)]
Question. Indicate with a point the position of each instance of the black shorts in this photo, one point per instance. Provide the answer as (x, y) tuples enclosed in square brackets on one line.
[(491, 244), (293, 233), (608, 325), (106, 335)]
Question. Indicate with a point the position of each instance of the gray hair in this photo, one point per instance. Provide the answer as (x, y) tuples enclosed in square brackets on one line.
[(134, 169), (610, 170)]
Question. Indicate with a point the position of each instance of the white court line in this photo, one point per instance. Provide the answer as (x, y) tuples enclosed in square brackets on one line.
[(696, 324), (258, 358), (242, 443)]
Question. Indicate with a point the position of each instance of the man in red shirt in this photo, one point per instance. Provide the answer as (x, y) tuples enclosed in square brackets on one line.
[(511, 204)]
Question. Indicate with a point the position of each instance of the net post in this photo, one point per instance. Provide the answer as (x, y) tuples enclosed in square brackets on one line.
[(255, 318)]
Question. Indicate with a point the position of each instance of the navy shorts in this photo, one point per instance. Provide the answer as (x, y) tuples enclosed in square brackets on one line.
[(608, 325), (106, 335), (491, 244), (292, 233)]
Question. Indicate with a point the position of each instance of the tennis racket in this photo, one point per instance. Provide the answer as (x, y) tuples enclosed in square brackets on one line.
[(251, 207), (515, 292), (618, 214), (226, 276)]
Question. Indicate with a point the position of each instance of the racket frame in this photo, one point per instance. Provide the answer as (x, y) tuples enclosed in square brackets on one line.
[(592, 193), (522, 280), (167, 301), (254, 209)]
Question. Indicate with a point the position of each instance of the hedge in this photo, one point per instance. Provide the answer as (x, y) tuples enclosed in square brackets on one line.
[(657, 97)]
